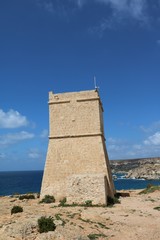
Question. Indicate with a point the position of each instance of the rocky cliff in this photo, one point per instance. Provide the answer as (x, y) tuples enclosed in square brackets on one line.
[(147, 168)]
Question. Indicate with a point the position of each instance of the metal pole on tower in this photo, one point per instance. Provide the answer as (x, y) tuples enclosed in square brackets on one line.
[(95, 83)]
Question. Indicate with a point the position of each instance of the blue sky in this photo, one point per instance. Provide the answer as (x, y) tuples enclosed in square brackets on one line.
[(51, 45)]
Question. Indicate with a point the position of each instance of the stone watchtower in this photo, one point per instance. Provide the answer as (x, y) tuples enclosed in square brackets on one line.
[(77, 165)]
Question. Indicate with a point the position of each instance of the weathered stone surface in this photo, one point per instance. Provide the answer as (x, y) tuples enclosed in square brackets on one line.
[(80, 188), (58, 222), (19, 231), (77, 165), (91, 215), (50, 236)]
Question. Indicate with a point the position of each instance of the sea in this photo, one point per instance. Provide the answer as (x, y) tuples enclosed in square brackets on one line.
[(21, 182)]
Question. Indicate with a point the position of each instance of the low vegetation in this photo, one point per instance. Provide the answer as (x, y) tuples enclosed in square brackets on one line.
[(58, 217), (63, 202), (48, 199), (96, 236), (157, 208), (46, 224), (111, 201), (150, 188), (80, 205), (16, 209), (26, 196), (88, 203), (102, 225)]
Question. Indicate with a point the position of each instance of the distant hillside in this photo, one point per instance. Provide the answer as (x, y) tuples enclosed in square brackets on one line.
[(147, 168)]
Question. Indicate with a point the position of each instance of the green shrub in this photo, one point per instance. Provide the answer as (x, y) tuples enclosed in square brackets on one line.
[(149, 185), (63, 202), (111, 201), (88, 203), (16, 209), (15, 195), (48, 199), (69, 205), (46, 224), (95, 236), (116, 200), (27, 196), (157, 208)]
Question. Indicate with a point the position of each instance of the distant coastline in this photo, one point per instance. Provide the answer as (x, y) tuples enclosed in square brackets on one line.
[(143, 168)]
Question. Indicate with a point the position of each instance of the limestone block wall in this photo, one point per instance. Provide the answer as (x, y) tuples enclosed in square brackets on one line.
[(77, 165), (74, 114)]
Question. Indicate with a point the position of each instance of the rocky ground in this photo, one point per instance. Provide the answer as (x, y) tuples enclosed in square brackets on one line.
[(134, 218), (148, 168)]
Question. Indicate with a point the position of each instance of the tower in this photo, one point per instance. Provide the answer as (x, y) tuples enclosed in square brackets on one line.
[(77, 165)]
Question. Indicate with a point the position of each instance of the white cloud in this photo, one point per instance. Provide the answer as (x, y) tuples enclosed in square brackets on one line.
[(12, 119), (2, 155), (58, 8), (117, 148), (121, 12), (153, 140), (80, 3), (120, 149), (34, 154), (115, 141), (152, 128), (48, 5), (118, 12), (137, 146), (44, 133), (8, 139), (113, 147), (134, 8), (144, 151)]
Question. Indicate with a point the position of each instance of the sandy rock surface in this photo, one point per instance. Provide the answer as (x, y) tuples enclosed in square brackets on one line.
[(134, 219)]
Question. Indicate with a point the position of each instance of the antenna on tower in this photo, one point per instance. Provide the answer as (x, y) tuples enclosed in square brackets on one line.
[(95, 83)]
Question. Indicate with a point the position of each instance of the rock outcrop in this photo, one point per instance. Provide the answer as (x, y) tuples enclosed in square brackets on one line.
[(148, 168)]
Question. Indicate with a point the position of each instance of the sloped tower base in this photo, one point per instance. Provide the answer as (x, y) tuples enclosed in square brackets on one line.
[(77, 165)]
